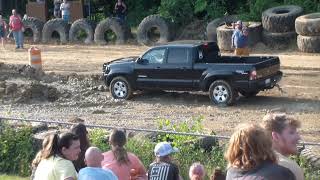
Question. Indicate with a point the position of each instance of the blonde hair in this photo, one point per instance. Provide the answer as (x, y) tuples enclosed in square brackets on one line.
[(249, 146), (277, 122)]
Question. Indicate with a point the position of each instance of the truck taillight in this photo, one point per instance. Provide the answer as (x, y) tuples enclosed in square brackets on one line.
[(253, 75)]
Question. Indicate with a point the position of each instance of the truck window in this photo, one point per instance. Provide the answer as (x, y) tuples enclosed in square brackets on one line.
[(155, 56), (178, 56)]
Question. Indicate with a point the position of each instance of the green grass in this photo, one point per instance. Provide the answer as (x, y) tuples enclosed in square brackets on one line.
[(8, 177)]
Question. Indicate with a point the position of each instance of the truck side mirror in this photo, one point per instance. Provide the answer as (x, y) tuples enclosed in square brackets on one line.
[(142, 61)]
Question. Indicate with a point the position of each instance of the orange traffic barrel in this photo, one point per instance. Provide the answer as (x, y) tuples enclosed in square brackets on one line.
[(35, 58)]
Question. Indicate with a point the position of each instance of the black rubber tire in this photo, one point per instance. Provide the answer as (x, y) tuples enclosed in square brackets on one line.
[(121, 81), (249, 94), (82, 24), (278, 40), (36, 26), (225, 86), (308, 25), (214, 24), (153, 21), (255, 33), (58, 25), (109, 24), (224, 36), (281, 18), (310, 44)]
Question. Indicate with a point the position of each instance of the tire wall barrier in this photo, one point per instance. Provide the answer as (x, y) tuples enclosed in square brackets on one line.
[(58, 25), (36, 26), (153, 21), (224, 35), (308, 28), (109, 24), (213, 25), (84, 25)]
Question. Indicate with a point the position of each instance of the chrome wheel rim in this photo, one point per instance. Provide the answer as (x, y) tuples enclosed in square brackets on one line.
[(220, 94), (120, 89)]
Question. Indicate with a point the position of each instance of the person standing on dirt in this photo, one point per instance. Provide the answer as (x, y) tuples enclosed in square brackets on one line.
[(283, 131), (65, 11), (16, 26), (56, 8), (120, 10), (3, 28), (240, 39)]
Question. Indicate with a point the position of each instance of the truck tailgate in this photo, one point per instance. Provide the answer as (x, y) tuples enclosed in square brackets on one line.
[(267, 67)]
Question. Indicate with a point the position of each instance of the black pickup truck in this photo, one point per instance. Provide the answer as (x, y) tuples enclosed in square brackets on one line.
[(192, 67)]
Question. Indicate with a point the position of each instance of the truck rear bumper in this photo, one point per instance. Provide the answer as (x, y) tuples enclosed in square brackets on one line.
[(260, 84)]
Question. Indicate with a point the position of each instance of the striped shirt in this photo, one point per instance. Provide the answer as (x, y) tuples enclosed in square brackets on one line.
[(163, 171)]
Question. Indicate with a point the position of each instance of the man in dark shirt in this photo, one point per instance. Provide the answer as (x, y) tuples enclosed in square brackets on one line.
[(163, 168)]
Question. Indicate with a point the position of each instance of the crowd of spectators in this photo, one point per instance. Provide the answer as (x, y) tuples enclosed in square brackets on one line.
[(255, 151)]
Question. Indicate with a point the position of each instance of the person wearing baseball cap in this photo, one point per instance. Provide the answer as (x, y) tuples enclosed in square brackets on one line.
[(163, 168), (240, 39)]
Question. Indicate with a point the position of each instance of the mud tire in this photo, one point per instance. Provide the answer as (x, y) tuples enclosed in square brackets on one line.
[(225, 87), (310, 44), (278, 40), (122, 82), (224, 37), (255, 33), (58, 25), (36, 26), (82, 24), (109, 24), (213, 25), (308, 25), (153, 21), (281, 18)]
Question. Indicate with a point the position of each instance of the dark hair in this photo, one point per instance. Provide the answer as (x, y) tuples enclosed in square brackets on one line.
[(65, 140), (118, 139), (81, 131)]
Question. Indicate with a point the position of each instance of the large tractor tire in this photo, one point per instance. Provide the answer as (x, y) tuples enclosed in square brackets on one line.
[(281, 18), (82, 25), (255, 33), (278, 40), (58, 25), (308, 25), (36, 26), (213, 25), (109, 24), (153, 21), (224, 36), (310, 44)]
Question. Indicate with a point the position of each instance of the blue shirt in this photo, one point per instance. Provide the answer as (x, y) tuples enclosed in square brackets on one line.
[(239, 40), (93, 173)]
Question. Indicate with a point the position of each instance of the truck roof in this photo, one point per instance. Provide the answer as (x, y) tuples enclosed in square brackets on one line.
[(185, 43)]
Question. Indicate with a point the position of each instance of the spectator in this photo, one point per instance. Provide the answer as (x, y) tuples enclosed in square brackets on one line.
[(81, 131), (218, 175), (163, 168), (65, 11), (120, 10), (56, 8), (121, 162), (16, 26), (94, 171), (3, 29), (56, 163), (283, 130), (197, 172), (250, 156), (240, 39)]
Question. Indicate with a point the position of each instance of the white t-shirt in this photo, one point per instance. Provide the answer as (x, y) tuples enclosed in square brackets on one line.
[(65, 9)]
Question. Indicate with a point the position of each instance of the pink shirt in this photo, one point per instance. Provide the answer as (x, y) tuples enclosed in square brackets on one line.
[(15, 23), (123, 171)]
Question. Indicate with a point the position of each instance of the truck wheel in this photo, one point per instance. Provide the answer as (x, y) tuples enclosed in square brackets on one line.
[(36, 25), (58, 25), (221, 93), (120, 88), (249, 94)]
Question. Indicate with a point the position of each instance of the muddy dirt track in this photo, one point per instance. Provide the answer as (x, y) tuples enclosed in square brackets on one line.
[(84, 95)]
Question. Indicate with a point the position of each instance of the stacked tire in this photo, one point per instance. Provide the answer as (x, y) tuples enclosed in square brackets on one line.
[(214, 24), (279, 25), (308, 28), (81, 25), (36, 26), (55, 25)]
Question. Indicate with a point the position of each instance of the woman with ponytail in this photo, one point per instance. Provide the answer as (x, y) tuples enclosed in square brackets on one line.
[(125, 165)]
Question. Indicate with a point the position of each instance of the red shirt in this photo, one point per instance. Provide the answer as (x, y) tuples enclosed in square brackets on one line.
[(15, 23)]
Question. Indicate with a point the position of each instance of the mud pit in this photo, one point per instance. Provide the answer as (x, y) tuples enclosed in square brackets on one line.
[(75, 89)]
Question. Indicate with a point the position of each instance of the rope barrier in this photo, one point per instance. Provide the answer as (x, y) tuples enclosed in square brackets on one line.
[(133, 129)]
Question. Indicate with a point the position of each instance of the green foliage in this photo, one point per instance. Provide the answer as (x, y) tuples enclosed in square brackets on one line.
[(139, 9), (308, 6), (16, 151), (200, 5), (252, 10), (98, 138), (310, 172), (179, 11), (7, 177), (217, 9)]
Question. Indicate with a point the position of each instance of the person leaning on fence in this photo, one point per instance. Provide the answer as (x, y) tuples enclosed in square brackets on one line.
[(123, 164), (197, 172), (3, 29), (283, 130), (65, 11), (17, 28), (56, 159), (81, 131), (163, 168), (93, 171), (240, 39), (250, 156)]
